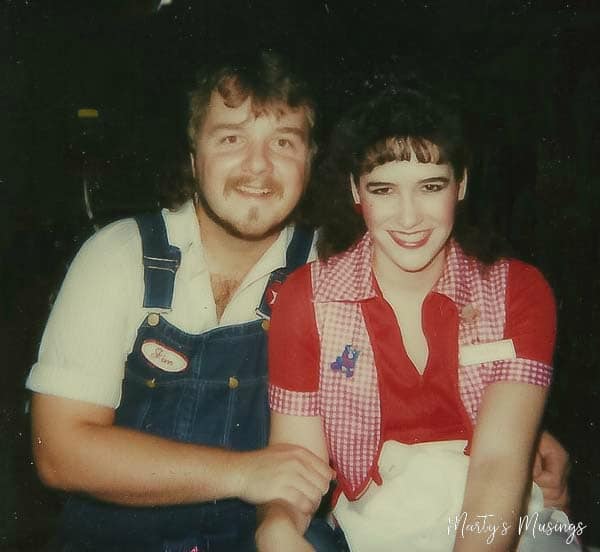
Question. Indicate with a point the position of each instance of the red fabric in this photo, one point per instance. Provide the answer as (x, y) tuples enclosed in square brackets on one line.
[(418, 408), (338, 368), (294, 343), (530, 313), (293, 338)]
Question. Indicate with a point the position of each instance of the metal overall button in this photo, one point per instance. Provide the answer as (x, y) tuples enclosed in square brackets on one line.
[(265, 325), (233, 382), (153, 319)]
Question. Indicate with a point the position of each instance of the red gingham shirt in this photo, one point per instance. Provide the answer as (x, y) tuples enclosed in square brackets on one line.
[(351, 406)]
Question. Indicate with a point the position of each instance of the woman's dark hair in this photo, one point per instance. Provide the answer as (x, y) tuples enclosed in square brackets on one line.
[(393, 125)]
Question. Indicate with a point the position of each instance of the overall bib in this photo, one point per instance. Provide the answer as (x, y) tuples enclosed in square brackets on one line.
[(208, 389)]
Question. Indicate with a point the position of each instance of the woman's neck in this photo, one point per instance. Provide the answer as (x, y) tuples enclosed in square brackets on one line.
[(394, 280)]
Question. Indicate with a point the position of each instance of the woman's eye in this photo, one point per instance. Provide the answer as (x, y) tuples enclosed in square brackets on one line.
[(433, 187), (383, 190)]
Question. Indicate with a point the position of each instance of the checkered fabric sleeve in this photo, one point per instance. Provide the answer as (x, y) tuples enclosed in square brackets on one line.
[(530, 325), (513, 302), (294, 403), (522, 370)]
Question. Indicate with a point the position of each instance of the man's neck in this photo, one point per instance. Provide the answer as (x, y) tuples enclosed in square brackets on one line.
[(228, 258), (228, 254)]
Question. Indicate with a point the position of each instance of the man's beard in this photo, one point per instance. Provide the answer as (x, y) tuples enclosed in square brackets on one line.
[(232, 228)]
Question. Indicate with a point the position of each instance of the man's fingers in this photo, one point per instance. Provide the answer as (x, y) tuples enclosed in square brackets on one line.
[(537, 466), (286, 472), (298, 500), (312, 492), (317, 464), (315, 480), (548, 479), (300, 491)]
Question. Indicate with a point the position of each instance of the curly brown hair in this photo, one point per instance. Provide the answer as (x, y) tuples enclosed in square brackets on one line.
[(264, 76), (393, 125)]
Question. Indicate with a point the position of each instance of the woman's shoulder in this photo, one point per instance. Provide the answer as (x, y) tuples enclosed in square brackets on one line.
[(513, 268), (519, 281)]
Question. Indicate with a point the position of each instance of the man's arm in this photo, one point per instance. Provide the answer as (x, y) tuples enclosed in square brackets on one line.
[(551, 472), (283, 524), (77, 448)]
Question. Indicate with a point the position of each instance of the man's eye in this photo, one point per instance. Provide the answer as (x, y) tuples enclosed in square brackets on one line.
[(284, 143), (232, 139)]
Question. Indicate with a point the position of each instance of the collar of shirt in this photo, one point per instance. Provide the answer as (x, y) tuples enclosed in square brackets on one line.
[(350, 276), (183, 232)]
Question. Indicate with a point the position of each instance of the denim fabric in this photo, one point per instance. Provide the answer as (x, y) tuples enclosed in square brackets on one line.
[(218, 399)]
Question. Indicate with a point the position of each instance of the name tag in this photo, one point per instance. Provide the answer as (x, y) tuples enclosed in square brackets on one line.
[(163, 357), (486, 352)]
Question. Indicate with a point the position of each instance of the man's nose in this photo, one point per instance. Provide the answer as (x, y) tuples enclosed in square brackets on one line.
[(257, 160)]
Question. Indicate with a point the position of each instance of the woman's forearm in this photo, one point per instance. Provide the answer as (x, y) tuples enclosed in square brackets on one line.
[(493, 502)]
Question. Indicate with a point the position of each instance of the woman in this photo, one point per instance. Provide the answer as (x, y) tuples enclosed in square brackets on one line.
[(417, 361)]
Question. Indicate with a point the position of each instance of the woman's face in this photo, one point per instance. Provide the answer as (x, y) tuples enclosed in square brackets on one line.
[(409, 209)]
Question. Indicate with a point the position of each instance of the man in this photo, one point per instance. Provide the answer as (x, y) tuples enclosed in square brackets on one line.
[(194, 387), (166, 453)]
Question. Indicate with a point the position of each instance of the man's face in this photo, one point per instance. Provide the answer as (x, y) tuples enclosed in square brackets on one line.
[(251, 167), (409, 210)]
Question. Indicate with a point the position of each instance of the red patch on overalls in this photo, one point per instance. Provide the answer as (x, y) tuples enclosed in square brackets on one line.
[(272, 292)]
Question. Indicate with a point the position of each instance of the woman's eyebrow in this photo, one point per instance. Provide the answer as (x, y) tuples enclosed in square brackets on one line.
[(434, 179), (428, 180), (369, 186)]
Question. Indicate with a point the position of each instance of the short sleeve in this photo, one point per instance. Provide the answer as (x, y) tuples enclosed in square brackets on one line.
[(294, 348), (530, 324), (90, 332), (530, 313)]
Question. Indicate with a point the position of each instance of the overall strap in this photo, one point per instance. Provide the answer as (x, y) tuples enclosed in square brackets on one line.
[(299, 248), (296, 255), (161, 261)]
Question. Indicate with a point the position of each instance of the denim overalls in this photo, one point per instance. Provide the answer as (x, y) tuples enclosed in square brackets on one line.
[(211, 389)]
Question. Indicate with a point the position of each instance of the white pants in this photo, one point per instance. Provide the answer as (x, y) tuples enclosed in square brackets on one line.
[(418, 506)]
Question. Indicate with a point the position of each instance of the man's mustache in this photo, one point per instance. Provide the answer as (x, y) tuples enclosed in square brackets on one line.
[(263, 183)]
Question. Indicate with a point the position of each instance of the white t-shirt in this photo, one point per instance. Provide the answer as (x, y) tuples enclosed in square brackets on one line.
[(94, 321)]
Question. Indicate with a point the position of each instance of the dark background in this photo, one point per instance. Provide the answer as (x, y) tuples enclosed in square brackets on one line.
[(529, 73)]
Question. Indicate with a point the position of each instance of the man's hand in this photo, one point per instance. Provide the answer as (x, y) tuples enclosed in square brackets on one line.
[(289, 473), (551, 472)]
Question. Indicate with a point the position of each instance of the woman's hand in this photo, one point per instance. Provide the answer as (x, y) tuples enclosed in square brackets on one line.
[(278, 531)]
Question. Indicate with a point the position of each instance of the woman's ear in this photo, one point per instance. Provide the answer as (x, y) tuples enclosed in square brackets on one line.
[(354, 189), (462, 186), (193, 164)]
